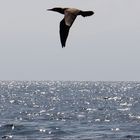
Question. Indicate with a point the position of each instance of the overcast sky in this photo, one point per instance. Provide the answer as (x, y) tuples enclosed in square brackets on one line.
[(105, 46)]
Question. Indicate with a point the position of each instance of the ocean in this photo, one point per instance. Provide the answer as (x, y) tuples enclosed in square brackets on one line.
[(69, 110)]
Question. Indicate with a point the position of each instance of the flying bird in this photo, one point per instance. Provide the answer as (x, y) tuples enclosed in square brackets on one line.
[(70, 15)]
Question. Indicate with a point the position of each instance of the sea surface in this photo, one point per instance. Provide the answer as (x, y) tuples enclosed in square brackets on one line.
[(69, 110)]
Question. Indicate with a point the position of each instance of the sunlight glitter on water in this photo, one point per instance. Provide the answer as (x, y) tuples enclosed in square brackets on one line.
[(69, 110)]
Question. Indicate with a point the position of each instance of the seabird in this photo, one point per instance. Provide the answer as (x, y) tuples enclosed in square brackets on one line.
[(70, 15)]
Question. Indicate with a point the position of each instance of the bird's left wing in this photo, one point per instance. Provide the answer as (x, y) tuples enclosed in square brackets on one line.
[(64, 31)]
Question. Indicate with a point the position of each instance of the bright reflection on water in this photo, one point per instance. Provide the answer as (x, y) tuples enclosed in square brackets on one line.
[(55, 110)]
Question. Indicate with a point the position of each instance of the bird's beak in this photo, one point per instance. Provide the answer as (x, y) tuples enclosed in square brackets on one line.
[(49, 9)]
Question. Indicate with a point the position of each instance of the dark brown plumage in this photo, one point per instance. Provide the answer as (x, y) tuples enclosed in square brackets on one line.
[(70, 15)]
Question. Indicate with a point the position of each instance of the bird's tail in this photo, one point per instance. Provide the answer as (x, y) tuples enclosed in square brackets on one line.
[(86, 13)]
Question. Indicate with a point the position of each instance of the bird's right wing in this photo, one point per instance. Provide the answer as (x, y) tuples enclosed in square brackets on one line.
[(64, 31)]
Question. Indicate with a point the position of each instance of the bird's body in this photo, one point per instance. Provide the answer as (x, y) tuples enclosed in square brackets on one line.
[(70, 15)]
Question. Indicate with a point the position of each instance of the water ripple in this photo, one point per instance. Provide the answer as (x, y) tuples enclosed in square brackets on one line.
[(69, 110)]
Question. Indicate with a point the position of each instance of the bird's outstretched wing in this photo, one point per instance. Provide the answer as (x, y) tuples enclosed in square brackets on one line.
[(64, 31), (86, 13)]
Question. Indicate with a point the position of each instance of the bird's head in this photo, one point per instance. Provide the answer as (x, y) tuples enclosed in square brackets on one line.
[(53, 9), (57, 9)]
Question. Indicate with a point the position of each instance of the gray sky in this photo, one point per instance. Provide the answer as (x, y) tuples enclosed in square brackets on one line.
[(105, 46)]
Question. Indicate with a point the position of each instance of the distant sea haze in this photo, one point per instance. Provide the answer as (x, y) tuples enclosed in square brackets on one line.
[(56, 110)]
